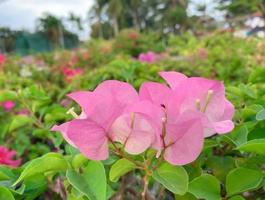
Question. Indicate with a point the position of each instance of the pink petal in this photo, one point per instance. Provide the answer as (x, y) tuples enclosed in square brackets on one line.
[(155, 115), (134, 131), (14, 163), (63, 128), (157, 93), (192, 89), (83, 98), (223, 126), (229, 110), (186, 137), (123, 92), (173, 78), (7, 156), (109, 99), (106, 102), (89, 138), (105, 109)]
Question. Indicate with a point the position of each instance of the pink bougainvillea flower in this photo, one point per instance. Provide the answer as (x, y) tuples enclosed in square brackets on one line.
[(133, 35), (173, 78), (70, 73), (8, 105), (65, 102), (202, 53), (2, 59), (149, 57), (181, 134), (24, 111), (207, 96), (100, 108), (171, 120), (6, 157), (86, 55)]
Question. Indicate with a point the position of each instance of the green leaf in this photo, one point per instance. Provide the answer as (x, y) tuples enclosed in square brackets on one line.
[(260, 115), (249, 90), (253, 162), (5, 173), (194, 170), (35, 93), (205, 187), (251, 111), (7, 95), (239, 135), (237, 197), (220, 166), (253, 146), (5, 194), (79, 160), (19, 121), (241, 179), (110, 192), (40, 133), (187, 196), (257, 75), (51, 162), (111, 160), (35, 186), (120, 168), (55, 113), (209, 143), (91, 182), (257, 133), (174, 178)]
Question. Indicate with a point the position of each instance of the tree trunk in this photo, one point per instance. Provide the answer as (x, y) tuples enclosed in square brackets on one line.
[(136, 21), (115, 26)]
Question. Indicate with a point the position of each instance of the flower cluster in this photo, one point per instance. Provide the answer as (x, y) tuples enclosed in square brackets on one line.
[(8, 105), (149, 57), (2, 59), (6, 157), (70, 73), (172, 120)]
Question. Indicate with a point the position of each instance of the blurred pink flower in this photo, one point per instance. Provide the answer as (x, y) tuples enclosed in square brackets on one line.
[(23, 111), (8, 105), (70, 73), (202, 53), (2, 59), (133, 35), (28, 60), (149, 57), (65, 102), (86, 55), (6, 157)]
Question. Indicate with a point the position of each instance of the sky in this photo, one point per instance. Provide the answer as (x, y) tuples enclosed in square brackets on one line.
[(22, 14), (210, 8)]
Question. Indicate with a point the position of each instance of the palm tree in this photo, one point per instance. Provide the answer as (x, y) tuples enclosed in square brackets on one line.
[(96, 13), (53, 28), (134, 9), (115, 8), (76, 21)]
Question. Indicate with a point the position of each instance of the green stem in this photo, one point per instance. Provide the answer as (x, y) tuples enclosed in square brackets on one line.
[(123, 155), (37, 122), (145, 186)]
